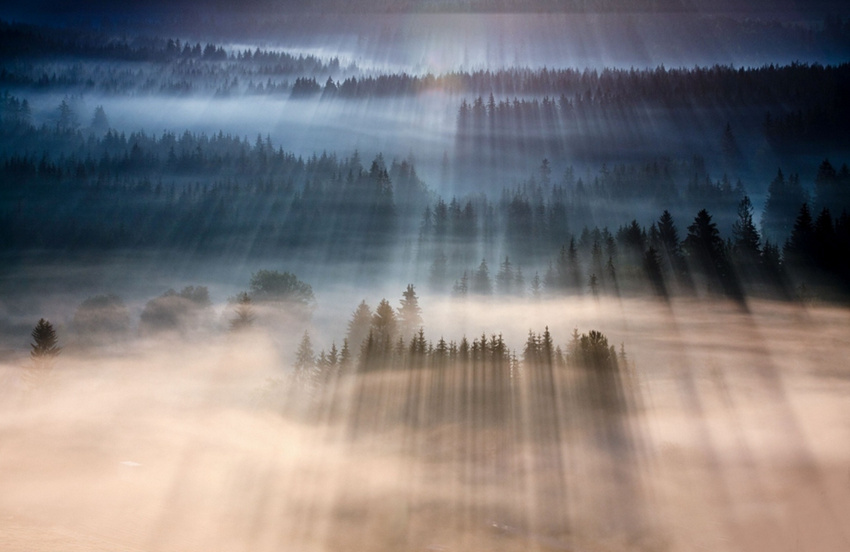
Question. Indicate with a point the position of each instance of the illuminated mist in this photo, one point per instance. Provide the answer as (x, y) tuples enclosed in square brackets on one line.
[(717, 428), (443, 277)]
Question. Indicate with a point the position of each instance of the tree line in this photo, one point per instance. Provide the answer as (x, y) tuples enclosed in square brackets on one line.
[(41, 58), (795, 95), (79, 188), (655, 260)]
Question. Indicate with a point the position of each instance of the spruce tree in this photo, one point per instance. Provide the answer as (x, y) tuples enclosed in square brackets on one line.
[(45, 345), (305, 360), (409, 314), (746, 242), (358, 326), (481, 283)]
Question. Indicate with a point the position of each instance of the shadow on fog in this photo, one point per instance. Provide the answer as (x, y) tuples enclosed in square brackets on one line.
[(696, 431)]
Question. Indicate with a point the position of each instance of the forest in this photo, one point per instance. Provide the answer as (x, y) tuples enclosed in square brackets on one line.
[(448, 275)]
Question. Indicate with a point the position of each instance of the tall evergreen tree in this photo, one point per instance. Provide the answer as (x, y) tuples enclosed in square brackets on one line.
[(410, 313), (505, 277), (746, 242), (481, 283), (707, 250), (800, 245), (305, 359), (359, 325), (784, 197), (45, 346), (384, 325)]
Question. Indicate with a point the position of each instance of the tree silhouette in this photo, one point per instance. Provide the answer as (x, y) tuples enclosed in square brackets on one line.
[(45, 345), (481, 283), (305, 360), (243, 310), (800, 245), (746, 242), (505, 278), (358, 326), (784, 197), (100, 122), (274, 286), (409, 314), (384, 325), (173, 311), (708, 251)]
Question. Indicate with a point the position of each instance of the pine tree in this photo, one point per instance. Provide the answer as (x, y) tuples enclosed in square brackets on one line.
[(409, 314), (593, 286), (536, 286), (799, 247), (481, 283), (746, 242), (505, 278), (384, 325), (461, 287), (705, 246), (45, 345), (358, 326), (519, 283), (305, 360), (345, 355), (784, 197), (44, 350)]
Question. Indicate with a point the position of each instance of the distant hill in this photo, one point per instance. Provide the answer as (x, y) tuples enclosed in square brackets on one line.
[(796, 8)]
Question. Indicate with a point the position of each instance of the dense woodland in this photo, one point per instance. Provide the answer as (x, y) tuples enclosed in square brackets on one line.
[(76, 188)]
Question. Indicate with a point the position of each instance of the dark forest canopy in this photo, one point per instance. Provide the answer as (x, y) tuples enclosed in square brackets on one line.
[(69, 188), (797, 86), (20, 41)]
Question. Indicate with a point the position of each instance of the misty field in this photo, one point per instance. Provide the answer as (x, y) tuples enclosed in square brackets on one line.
[(443, 275), (729, 433)]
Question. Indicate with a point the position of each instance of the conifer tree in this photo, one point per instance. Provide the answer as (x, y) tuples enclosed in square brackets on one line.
[(384, 325), (304, 357), (799, 247), (746, 242), (481, 283), (358, 326), (505, 277), (45, 345), (410, 313)]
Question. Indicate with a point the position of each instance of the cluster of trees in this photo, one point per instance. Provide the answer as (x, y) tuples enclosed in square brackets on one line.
[(536, 216), (394, 338), (109, 191), (26, 41), (797, 97), (45, 58), (655, 260), (718, 85), (273, 297), (803, 106), (421, 382), (14, 112)]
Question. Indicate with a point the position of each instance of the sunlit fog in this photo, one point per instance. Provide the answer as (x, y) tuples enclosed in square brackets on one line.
[(441, 276)]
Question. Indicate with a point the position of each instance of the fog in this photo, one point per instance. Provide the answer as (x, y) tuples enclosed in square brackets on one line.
[(424, 281), (732, 436)]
